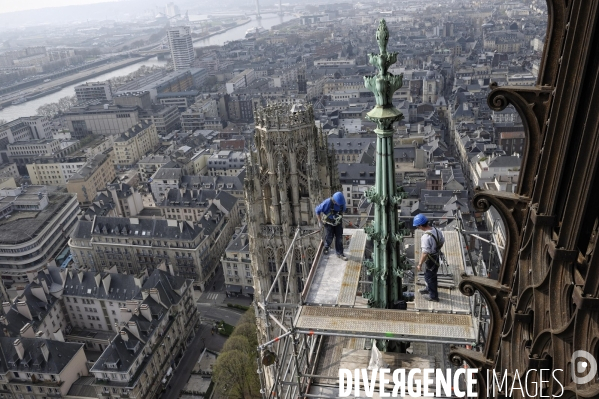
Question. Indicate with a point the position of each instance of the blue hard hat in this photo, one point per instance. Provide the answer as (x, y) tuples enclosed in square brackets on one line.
[(420, 220), (339, 198)]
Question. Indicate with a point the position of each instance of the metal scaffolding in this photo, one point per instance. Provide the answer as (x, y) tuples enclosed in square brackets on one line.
[(301, 336)]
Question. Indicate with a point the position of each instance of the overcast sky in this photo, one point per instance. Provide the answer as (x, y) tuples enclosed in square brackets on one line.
[(21, 5)]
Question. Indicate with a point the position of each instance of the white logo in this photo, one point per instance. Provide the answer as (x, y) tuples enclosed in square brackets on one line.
[(580, 361)]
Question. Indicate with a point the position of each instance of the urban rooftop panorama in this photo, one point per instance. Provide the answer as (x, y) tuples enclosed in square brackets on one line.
[(226, 199)]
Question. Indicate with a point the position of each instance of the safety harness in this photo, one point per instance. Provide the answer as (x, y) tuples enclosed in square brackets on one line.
[(337, 216), (438, 247)]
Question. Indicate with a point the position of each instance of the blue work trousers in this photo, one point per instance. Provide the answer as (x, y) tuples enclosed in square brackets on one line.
[(337, 232), (430, 276)]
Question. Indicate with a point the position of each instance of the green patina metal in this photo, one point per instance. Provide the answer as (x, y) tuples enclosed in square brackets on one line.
[(386, 233)]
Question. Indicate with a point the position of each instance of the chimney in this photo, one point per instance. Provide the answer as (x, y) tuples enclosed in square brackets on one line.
[(145, 311), (45, 351), (80, 275), (98, 278), (58, 335), (132, 326), (155, 294), (106, 283), (44, 285), (38, 292), (6, 307), (19, 348), (23, 309), (27, 331), (124, 335), (144, 294), (126, 314)]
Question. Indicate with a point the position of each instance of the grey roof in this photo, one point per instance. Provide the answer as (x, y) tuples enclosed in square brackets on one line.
[(122, 190), (60, 354), (225, 201), (89, 168), (404, 152), (356, 171), (154, 159), (82, 230), (505, 162), (188, 198), (83, 387), (133, 131), (145, 228), (121, 287), (38, 304), (124, 353), (240, 242), (29, 224), (168, 173)]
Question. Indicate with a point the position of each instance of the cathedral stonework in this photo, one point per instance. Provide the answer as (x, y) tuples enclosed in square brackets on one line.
[(289, 172)]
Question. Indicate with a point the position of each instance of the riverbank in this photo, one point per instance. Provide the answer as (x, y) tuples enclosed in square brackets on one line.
[(247, 21), (77, 78)]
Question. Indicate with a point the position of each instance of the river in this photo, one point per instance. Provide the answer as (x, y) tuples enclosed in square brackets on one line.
[(267, 22), (29, 108)]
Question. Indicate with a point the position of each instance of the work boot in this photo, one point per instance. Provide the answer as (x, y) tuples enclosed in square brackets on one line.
[(341, 256), (428, 298), (423, 291), (326, 250)]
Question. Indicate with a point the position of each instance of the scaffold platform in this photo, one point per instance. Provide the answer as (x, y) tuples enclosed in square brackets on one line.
[(387, 324), (332, 305), (451, 300), (335, 281)]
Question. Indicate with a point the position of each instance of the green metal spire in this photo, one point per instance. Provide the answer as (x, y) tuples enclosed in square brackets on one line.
[(386, 232)]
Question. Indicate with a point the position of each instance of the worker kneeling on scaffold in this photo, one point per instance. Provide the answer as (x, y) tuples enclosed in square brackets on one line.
[(332, 209), (431, 243)]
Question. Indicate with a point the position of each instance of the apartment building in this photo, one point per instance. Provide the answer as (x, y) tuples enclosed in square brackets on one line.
[(352, 83), (35, 223), (159, 322), (92, 177), (102, 119), (93, 91), (36, 311), (226, 163), (49, 172), (355, 179), (241, 80), (93, 300), (166, 119), (191, 205), (135, 143), (25, 152), (181, 45), (237, 264), (38, 368), (134, 245)]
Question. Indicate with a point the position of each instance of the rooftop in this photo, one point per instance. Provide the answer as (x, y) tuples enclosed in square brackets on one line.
[(24, 226)]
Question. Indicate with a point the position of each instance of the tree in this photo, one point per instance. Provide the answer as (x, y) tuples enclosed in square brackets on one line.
[(234, 373)]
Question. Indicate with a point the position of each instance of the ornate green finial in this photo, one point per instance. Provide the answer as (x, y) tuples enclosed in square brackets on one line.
[(383, 84), (382, 36), (386, 232)]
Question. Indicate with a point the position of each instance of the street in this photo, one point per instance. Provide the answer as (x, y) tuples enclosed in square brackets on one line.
[(212, 305)]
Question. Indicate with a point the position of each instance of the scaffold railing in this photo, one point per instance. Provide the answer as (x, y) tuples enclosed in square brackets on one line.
[(288, 361)]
